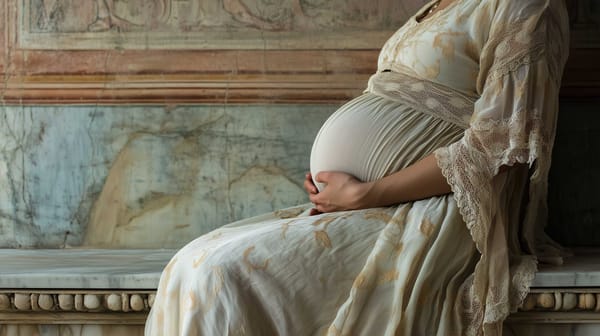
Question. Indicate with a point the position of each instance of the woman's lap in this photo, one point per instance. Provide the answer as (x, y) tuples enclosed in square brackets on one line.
[(304, 275)]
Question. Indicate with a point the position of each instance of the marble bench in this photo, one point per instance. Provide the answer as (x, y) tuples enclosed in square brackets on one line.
[(113, 287), (117, 287)]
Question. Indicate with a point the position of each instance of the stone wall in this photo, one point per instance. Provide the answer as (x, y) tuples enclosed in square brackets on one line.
[(147, 177), (106, 141), (144, 124)]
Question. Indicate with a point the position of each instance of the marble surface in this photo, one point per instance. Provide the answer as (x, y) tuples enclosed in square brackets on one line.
[(147, 176), (141, 269), (551, 329), (82, 269), (96, 330), (581, 270)]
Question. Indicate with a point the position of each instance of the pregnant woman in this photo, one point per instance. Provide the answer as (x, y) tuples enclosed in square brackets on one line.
[(429, 213)]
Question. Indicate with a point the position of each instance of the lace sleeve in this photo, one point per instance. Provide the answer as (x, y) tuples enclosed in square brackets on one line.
[(514, 121)]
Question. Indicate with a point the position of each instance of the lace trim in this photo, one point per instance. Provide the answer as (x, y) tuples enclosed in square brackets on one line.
[(524, 137), (521, 281), (525, 42), (488, 309), (424, 96)]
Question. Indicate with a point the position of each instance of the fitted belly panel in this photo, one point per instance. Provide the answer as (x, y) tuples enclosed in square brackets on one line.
[(371, 137)]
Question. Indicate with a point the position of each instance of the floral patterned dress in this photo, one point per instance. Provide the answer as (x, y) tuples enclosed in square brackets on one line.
[(477, 85)]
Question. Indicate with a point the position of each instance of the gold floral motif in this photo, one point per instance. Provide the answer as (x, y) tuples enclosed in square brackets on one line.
[(399, 218), (288, 213), (397, 249), (197, 261), (377, 214), (445, 41), (284, 228), (323, 238), (333, 331), (251, 266), (388, 276), (360, 281), (190, 302), (426, 227), (212, 295), (325, 220)]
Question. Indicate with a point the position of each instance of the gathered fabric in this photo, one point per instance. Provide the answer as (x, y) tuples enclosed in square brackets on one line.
[(476, 84), (387, 271), (521, 48)]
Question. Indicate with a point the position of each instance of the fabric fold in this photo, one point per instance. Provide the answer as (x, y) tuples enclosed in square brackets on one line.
[(514, 122)]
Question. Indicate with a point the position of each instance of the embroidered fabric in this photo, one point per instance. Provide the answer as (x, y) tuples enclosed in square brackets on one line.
[(514, 122), (424, 96)]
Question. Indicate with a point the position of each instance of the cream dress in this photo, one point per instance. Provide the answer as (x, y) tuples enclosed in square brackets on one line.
[(476, 84)]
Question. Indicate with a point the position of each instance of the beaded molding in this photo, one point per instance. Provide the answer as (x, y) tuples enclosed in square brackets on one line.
[(563, 300), (136, 302), (81, 302)]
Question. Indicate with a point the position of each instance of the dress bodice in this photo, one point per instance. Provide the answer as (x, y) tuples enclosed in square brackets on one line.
[(444, 48)]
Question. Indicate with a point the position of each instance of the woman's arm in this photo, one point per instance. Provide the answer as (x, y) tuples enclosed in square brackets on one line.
[(421, 180)]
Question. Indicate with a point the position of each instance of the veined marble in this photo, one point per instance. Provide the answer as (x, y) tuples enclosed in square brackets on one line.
[(147, 177), (82, 269), (581, 270), (33, 283), (551, 329), (141, 269)]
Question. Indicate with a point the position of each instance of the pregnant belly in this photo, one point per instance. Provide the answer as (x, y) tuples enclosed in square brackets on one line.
[(371, 137)]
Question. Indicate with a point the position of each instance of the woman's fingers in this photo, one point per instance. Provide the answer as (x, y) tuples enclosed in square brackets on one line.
[(322, 202), (312, 190), (323, 177), (309, 185), (315, 198), (342, 191)]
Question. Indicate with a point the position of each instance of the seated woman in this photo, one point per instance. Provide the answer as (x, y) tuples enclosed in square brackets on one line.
[(430, 201)]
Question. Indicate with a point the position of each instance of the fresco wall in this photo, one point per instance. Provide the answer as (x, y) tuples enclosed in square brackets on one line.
[(137, 123), (144, 124), (147, 177), (193, 24)]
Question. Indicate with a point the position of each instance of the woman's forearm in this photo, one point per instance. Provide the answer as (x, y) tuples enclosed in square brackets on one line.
[(345, 192), (420, 180)]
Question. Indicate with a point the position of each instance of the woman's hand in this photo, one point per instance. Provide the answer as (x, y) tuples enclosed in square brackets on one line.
[(311, 189), (342, 192), (423, 179)]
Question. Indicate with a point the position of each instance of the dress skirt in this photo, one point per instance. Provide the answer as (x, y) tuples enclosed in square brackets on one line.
[(398, 270)]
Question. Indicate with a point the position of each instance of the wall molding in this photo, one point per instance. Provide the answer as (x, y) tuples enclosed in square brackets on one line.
[(563, 300), (119, 76), (114, 307), (75, 307), (79, 301), (184, 89)]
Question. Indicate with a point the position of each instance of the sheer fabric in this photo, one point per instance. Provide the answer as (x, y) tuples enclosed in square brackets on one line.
[(522, 50), (514, 121)]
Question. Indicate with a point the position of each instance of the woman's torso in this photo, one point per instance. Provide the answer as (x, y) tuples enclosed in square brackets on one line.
[(433, 63)]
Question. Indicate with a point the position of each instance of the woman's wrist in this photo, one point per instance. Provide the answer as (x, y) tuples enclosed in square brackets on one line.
[(387, 191), (372, 194)]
